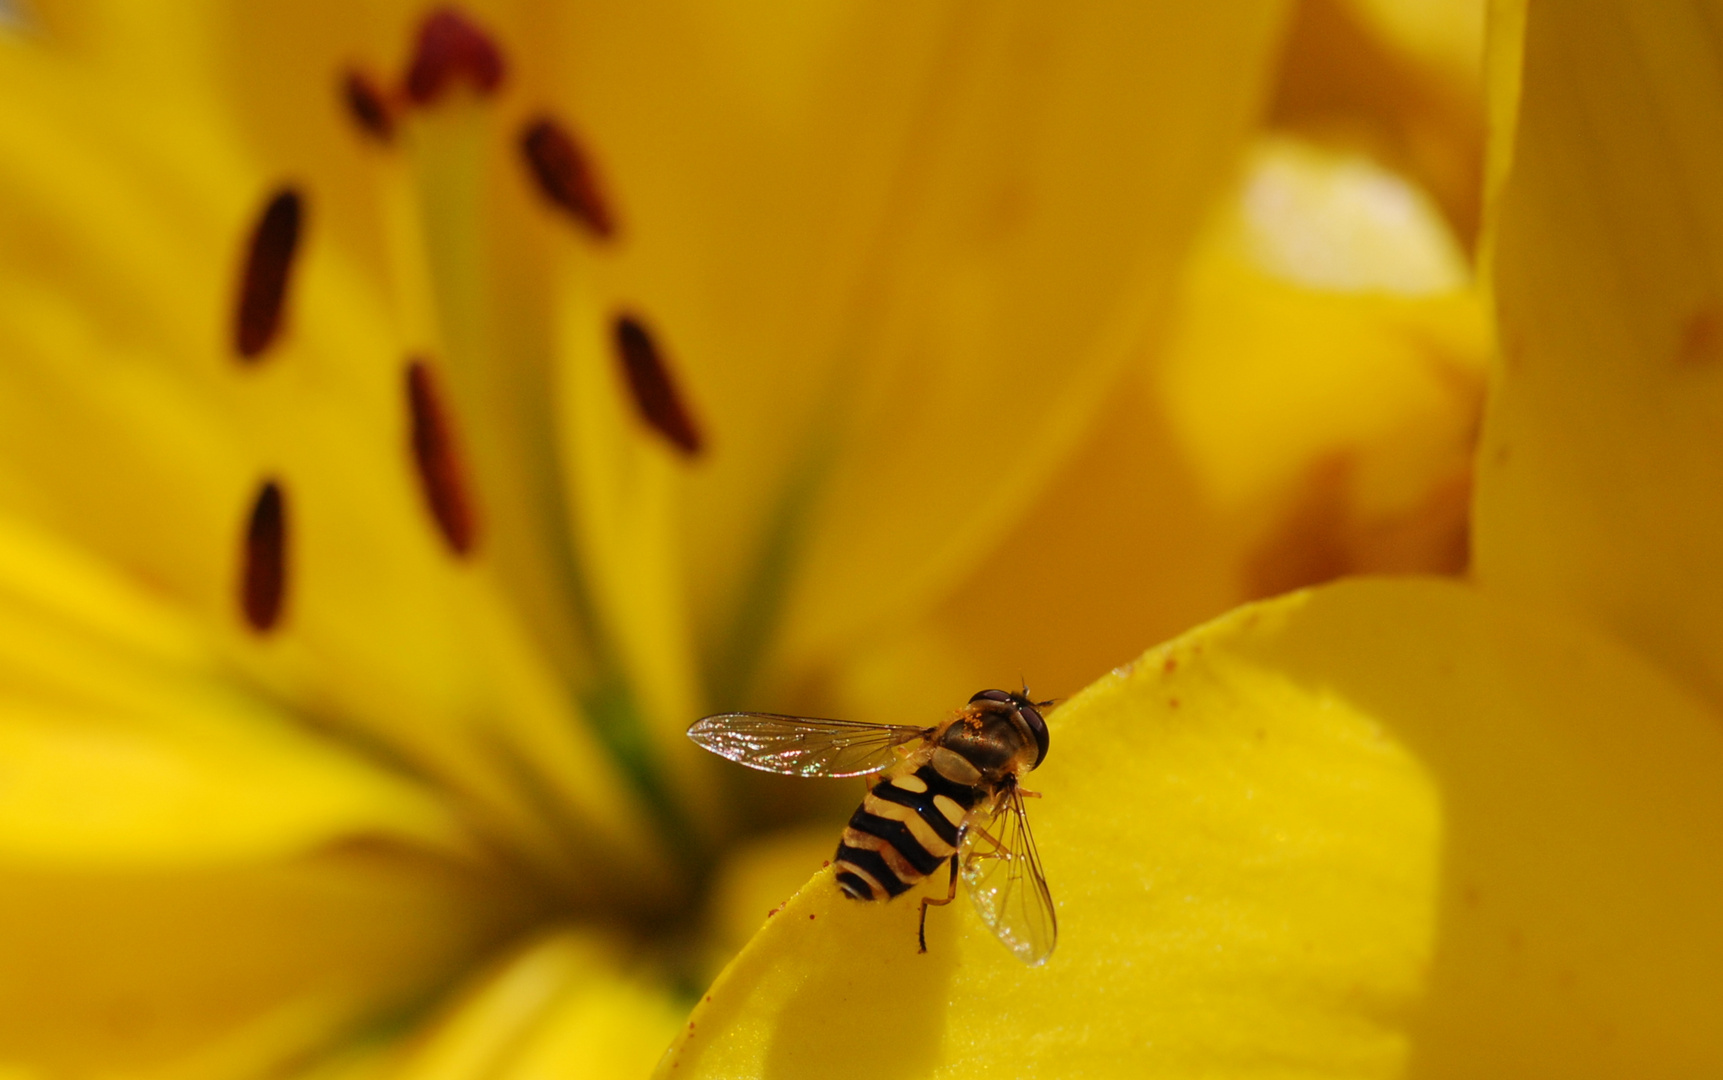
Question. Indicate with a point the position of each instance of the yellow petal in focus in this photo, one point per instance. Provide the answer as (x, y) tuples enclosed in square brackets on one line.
[(1600, 481), (1377, 829), (756, 878)]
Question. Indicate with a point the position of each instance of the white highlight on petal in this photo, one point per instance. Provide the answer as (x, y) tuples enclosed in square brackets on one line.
[(1339, 221)]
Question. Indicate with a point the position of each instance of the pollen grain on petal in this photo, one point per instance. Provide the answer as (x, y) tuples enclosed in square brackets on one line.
[(437, 459), (368, 105), (263, 578), (268, 273), (452, 48), (565, 174), (655, 392)]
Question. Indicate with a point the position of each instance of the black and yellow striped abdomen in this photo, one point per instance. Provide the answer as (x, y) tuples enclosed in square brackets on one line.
[(906, 827)]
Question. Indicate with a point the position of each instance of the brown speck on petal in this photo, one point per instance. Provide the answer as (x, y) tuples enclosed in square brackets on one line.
[(1701, 337), (655, 393), (451, 48), (368, 105), (268, 270), (263, 578), (435, 453), (565, 175)]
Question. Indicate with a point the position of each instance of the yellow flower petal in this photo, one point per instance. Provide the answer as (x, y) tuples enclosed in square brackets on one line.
[(772, 228), (193, 883), (131, 427), (1445, 33), (750, 211), (1329, 327), (1399, 79), (758, 876), (580, 495), (1383, 826), (238, 969), (734, 207), (564, 1004), (1503, 53), (125, 741), (985, 218), (1600, 481), (1311, 414)]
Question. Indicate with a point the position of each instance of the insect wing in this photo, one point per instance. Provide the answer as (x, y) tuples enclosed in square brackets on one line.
[(804, 745), (1002, 871)]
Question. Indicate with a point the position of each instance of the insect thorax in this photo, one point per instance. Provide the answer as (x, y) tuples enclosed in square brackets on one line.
[(992, 738)]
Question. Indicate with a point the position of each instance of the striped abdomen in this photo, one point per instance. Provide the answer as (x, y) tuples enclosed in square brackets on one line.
[(905, 828)]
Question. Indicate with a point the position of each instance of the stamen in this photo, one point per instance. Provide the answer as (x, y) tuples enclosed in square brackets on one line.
[(565, 175), (263, 584), (655, 392), (368, 105), (435, 453), (268, 263), (451, 47)]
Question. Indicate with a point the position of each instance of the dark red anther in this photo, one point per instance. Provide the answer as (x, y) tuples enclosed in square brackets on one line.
[(436, 454), (655, 393), (451, 48), (368, 105), (565, 175), (268, 269), (263, 578)]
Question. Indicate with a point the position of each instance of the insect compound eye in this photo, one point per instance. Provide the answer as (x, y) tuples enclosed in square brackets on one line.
[(1032, 717), (992, 695)]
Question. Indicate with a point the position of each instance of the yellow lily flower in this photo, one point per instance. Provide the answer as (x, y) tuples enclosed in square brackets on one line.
[(1410, 826), (412, 418), (406, 415)]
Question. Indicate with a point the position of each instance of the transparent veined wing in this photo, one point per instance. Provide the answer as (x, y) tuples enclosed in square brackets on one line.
[(804, 745), (1002, 872)]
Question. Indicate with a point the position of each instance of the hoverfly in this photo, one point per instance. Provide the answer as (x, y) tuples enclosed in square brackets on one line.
[(952, 798)]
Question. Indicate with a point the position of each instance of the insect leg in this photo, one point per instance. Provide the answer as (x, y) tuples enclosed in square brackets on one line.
[(999, 849), (926, 902)]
